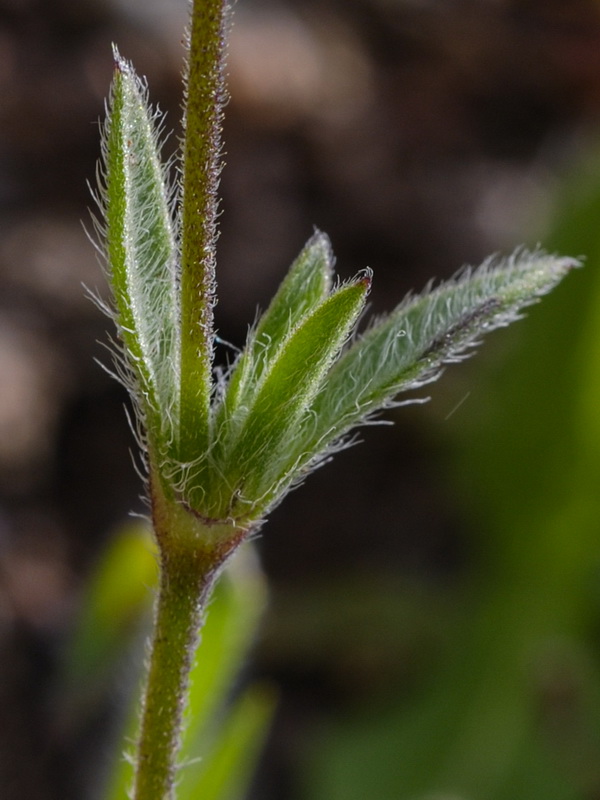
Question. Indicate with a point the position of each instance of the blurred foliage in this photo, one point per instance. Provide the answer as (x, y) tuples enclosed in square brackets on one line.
[(510, 706), (225, 731)]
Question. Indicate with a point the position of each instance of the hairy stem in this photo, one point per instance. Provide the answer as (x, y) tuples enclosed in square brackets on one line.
[(193, 552), (201, 166), (181, 601)]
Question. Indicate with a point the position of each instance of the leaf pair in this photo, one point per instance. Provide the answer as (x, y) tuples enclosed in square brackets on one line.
[(290, 397), (287, 355), (283, 367), (407, 349)]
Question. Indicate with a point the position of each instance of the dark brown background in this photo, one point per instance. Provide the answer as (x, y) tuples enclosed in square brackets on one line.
[(419, 135)]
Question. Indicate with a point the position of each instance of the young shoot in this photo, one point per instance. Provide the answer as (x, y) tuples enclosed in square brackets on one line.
[(220, 452)]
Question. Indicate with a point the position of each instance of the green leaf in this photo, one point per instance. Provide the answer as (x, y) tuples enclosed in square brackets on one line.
[(408, 349), (306, 285), (115, 603), (235, 612), (141, 251), (253, 466), (225, 772)]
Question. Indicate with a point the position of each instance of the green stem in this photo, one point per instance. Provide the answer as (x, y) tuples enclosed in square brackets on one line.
[(183, 594), (201, 168), (192, 554)]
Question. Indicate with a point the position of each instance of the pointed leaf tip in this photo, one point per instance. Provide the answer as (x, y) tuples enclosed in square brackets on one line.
[(119, 63), (409, 347), (306, 285)]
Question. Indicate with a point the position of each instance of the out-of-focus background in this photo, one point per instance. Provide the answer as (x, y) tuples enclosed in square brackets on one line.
[(434, 614)]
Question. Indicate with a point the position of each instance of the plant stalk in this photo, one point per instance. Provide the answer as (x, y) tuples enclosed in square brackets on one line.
[(183, 593), (201, 167), (192, 554)]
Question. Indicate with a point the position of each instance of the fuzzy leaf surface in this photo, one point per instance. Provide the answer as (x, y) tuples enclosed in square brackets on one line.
[(408, 348), (140, 248), (306, 285), (252, 467)]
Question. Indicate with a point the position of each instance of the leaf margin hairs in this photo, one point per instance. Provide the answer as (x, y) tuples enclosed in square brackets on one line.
[(136, 231), (307, 283), (337, 409), (251, 468)]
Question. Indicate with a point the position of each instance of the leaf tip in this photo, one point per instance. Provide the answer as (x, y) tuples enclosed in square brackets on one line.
[(568, 263), (365, 278), (117, 59), (120, 65)]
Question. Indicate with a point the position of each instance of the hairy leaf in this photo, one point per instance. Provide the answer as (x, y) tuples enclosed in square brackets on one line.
[(251, 468), (408, 348), (306, 285), (140, 248)]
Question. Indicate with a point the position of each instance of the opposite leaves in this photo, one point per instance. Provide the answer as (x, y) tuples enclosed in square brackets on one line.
[(408, 349), (293, 394)]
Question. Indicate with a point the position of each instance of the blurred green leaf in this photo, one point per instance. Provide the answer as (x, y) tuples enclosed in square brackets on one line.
[(226, 734), (230, 629), (224, 771), (213, 729), (512, 708), (115, 602)]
